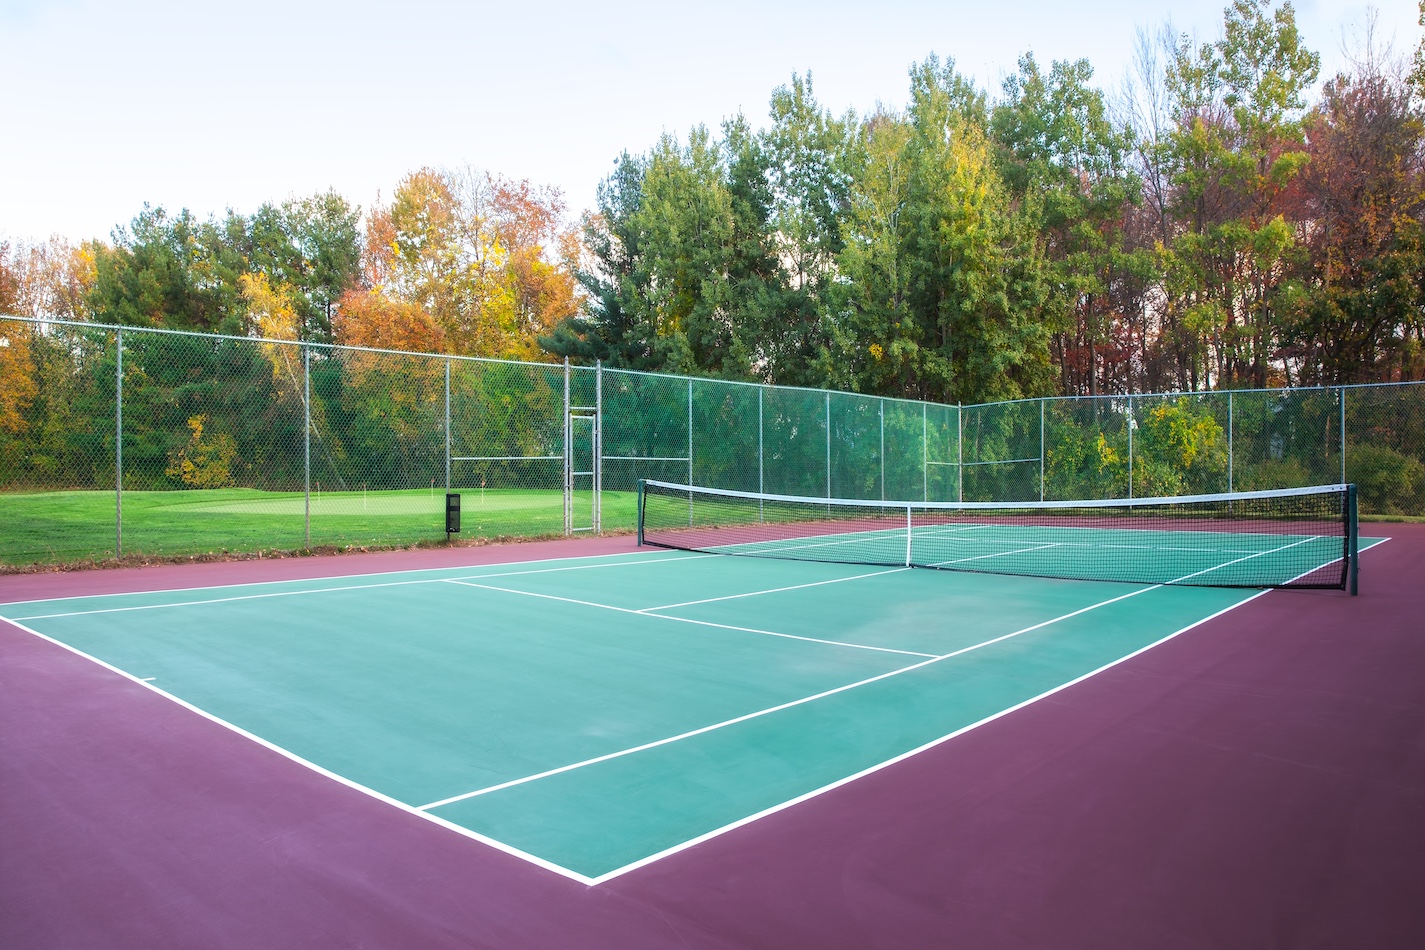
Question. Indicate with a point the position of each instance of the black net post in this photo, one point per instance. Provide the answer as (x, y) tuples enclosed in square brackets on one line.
[(642, 497), (1353, 545)]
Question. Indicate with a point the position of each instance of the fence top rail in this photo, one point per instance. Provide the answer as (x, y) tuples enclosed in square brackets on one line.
[(115, 328), (777, 387), (1178, 393), (334, 347)]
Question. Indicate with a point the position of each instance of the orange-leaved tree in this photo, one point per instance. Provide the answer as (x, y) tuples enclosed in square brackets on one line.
[(489, 260)]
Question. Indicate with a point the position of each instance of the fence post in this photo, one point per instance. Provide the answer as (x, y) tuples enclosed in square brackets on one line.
[(307, 444), (1343, 434), (883, 448), (924, 452), (119, 444), (1130, 446), (761, 484), (959, 453), (690, 432), (828, 444), (568, 466), (1229, 440), (447, 425), (1041, 449), (598, 500)]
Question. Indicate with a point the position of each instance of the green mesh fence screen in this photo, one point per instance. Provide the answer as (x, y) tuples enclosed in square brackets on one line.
[(151, 442)]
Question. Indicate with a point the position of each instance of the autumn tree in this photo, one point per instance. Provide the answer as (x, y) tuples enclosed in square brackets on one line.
[(373, 320), (17, 371), (1356, 313), (486, 258)]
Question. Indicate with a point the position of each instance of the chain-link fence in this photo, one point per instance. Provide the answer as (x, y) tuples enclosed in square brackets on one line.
[(134, 441)]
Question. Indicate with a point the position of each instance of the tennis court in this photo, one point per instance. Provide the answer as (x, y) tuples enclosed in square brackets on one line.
[(807, 743), (594, 714)]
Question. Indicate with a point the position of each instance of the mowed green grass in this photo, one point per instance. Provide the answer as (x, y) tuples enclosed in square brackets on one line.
[(68, 526)]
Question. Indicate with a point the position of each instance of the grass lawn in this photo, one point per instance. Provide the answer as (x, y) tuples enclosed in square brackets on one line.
[(68, 526)]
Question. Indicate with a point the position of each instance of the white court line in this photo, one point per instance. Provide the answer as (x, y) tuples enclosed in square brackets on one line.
[(854, 537), (831, 786), (1218, 567), (945, 532), (981, 557), (774, 590), (778, 708), (348, 587), (661, 554), (642, 862), (308, 763), (700, 623), (831, 692), (732, 826)]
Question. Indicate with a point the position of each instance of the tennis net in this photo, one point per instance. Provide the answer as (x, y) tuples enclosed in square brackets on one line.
[(1292, 538)]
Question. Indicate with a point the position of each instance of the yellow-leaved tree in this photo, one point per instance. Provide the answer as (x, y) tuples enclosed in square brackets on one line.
[(490, 261), (206, 461)]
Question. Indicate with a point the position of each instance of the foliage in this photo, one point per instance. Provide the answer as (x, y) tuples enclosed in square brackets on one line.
[(1389, 482), (1222, 227), (473, 252), (203, 462), (1179, 449), (17, 378)]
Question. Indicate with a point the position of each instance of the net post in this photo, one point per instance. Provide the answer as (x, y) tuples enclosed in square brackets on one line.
[(1353, 546), (642, 496)]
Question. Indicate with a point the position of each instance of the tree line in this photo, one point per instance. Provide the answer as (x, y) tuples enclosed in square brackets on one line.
[(1213, 224)]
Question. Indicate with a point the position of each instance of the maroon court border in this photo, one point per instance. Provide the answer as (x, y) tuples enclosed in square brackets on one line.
[(1257, 782)]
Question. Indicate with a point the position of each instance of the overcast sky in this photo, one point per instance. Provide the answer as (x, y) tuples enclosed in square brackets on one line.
[(210, 106)]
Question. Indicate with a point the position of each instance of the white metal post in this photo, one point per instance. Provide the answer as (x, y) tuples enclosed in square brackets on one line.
[(1130, 446), (690, 451), (1229, 440), (909, 527), (447, 426), (959, 453), (307, 443), (598, 500), (568, 462), (1343, 435), (119, 445)]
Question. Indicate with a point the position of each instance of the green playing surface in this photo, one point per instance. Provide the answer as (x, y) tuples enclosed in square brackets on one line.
[(592, 714)]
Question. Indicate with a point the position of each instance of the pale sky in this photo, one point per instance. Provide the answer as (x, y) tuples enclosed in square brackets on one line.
[(208, 106)]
